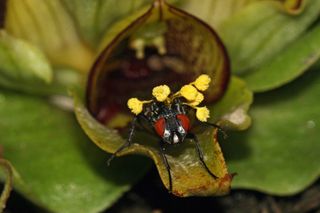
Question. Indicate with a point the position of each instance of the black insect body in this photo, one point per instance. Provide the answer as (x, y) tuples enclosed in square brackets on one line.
[(171, 124)]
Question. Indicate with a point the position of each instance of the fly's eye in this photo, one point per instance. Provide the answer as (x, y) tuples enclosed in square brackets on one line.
[(159, 126), (184, 121)]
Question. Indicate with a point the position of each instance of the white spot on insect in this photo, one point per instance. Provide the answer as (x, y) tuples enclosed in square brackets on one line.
[(181, 130), (175, 139), (166, 133)]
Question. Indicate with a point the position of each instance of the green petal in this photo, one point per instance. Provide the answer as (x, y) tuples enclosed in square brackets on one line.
[(280, 152), (290, 63), (257, 34), (21, 63), (214, 12), (24, 67), (59, 168), (231, 111), (218, 11), (94, 17), (48, 25)]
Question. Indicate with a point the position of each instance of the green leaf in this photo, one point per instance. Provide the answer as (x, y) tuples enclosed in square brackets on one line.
[(231, 111), (21, 63), (60, 170), (257, 34), (280, 152), (290, 63)]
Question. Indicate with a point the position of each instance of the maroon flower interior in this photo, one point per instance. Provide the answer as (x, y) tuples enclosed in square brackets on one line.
[(192, 48)]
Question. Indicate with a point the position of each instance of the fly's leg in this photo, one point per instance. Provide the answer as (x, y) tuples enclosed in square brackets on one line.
[(128, 142), (200, 153), (165, 161)]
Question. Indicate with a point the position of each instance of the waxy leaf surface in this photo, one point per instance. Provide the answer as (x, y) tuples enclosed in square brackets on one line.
[(231, 112), (49, 26), (279, 154), (291, 62), (257, 34), (22, 65), (59, 169), (218, 11)]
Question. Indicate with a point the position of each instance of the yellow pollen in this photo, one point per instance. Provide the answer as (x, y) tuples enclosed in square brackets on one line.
[(202, 82), (197, 101), (161, 92), (135, 105), (189, 92), (202, 114)]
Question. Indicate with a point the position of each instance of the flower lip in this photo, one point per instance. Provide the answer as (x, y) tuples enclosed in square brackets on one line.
[(112, 79), (101, 60), (226, 70)]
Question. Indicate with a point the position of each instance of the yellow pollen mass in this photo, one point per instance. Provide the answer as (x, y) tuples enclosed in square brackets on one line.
[(198, 100), (189, 92), (135, 105), (161, 92), (202, 114), (202, 82)]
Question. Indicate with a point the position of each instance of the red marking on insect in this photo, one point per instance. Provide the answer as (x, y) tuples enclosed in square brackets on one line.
[(184, 121), (159, 126)]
